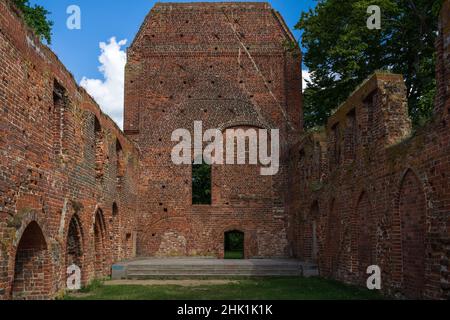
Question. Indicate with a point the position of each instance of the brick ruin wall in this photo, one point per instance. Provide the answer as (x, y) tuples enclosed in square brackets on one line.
[(368, 190), (67, 172), (227, 65)]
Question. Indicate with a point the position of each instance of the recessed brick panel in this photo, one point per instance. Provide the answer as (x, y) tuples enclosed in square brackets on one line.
[(225, 64)]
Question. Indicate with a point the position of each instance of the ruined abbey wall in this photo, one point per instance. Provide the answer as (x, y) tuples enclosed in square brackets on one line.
[(369, 190), (67, 172), (229, 66)]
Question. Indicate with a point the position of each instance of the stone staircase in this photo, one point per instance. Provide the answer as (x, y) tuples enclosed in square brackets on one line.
[(192, 267)]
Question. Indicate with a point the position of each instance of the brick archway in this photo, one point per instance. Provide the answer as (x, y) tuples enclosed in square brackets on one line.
[(32, 266), (74, 246), (234, 244), (220, 240)]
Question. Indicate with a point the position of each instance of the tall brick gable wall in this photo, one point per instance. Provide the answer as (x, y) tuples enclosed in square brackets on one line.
[(229, 66), (67, 173), (370, 191)]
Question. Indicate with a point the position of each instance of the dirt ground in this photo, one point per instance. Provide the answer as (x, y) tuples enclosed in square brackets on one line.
[(183, 283)]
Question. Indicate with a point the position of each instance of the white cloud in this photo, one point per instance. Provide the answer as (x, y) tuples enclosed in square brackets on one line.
[(109, 92), (305, 76)]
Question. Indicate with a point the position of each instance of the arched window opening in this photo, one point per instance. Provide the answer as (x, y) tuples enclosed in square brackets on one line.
[(314, 215), (60, 104), (201, 184), (115, 210), (32, 269), (74, 244), (120, 165), (412, 212)]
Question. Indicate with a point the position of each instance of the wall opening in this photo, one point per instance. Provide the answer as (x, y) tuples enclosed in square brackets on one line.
[(201, 184), (412, 212), (74, 244), (99, 150), (369, 106), (115, 210), (351, 135), (128, 245), (32, 269), (336, 145), (120, 165), (234, 245), (116, 233)]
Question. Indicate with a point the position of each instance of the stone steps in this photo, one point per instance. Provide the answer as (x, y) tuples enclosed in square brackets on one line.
[(156, 268)]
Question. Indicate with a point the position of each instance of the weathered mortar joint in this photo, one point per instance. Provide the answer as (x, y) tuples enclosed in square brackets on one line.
[(46, 160)]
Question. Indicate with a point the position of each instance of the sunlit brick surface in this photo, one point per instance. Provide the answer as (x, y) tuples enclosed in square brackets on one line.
[(227, 65)]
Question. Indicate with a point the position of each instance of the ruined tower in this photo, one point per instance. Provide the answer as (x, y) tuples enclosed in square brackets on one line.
[(229, 65)]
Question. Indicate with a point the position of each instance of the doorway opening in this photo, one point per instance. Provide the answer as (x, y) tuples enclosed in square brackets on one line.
[(32, 269), (234, 245)]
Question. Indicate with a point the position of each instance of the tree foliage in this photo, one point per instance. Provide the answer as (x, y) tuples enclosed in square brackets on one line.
[(36, 18), (341, 52), (234, 241)]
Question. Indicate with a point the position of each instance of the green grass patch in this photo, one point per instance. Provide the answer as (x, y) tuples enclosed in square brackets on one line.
[(92, 286), (234, 255), (280, 288)]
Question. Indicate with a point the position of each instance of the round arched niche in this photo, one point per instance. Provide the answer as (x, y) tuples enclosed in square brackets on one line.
[(32, 266), (74, 253), (409, 223)]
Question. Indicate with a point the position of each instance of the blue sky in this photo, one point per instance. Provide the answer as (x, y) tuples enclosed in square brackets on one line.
[(100, 70), (102, 19)]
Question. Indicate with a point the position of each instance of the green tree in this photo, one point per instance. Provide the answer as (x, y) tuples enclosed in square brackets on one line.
[(36, 18), (341, 52)]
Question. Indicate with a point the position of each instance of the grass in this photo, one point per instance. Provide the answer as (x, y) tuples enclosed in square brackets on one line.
[(280, 288), (234, 255)]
